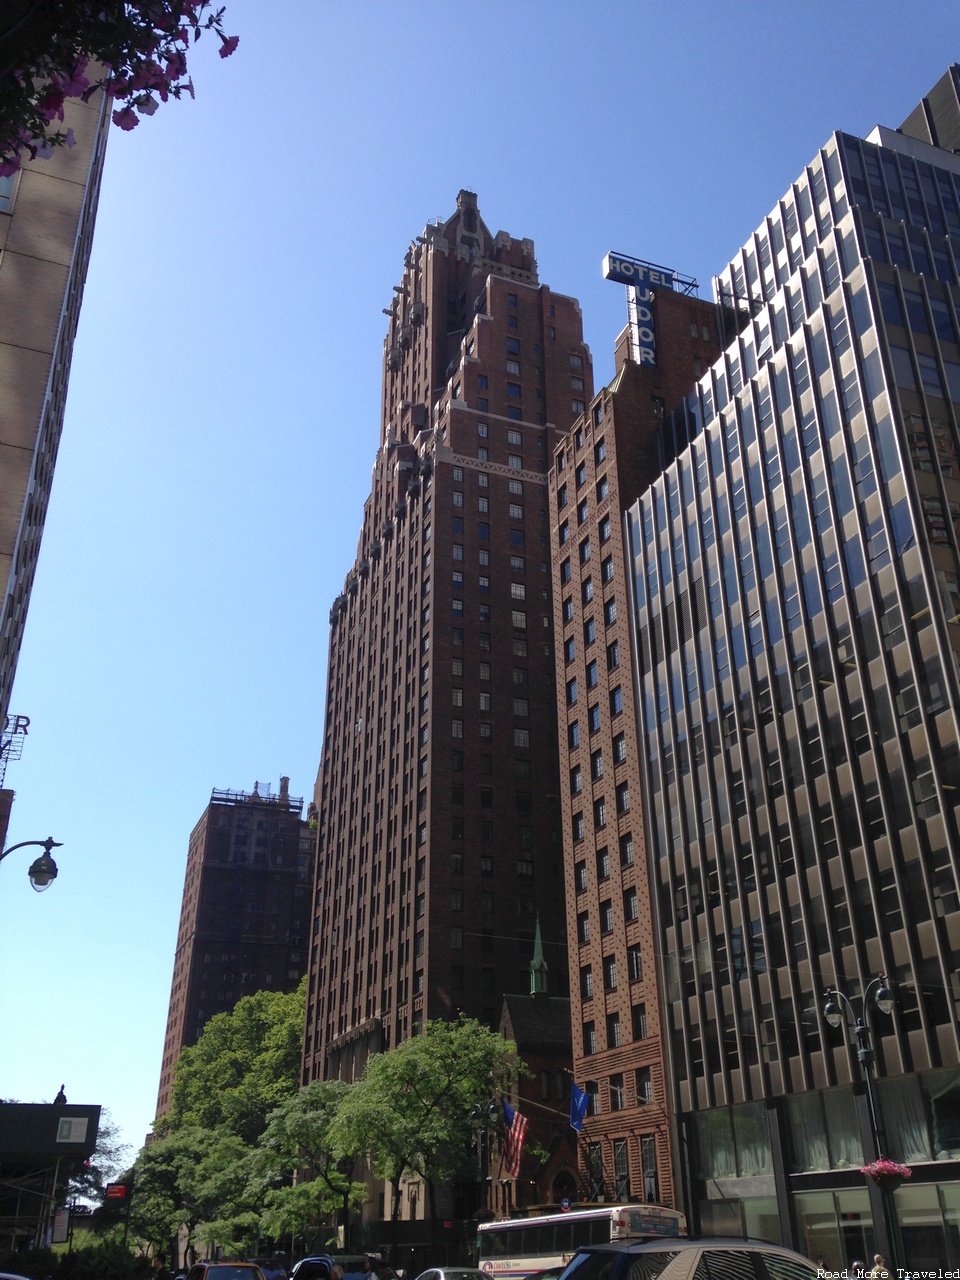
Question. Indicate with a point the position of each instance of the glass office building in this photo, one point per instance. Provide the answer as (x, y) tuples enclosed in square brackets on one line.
[(796, 574)]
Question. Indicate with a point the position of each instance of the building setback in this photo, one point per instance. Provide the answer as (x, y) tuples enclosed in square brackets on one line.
[(798, 633), (599, 467), (47, 214), (244, 915), (437, 793)]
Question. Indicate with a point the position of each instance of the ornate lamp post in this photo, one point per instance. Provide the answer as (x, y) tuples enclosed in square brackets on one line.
[(480, 1117), (839, 1011), (43, 870)]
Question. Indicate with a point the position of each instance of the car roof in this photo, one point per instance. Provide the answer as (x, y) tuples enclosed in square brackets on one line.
[(682, 1242)]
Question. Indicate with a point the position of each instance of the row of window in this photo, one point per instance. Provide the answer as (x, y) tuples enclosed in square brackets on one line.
[(583, 506), (613, 653), (638, 1028), (603, 863), (521, 706), (609, 610), (631, 912), (634, 972), (521, 737), (593, 715), (604, 529)]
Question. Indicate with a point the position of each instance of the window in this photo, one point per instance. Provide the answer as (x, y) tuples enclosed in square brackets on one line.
[(578, 827), (586, 982), (610, 612), (585, 551), (619, 749), (580, 877), (594, 718), (605, 529), (606, 916), (482, 430), (457, 729), (518, 564), (458, 473), (634, 963), (573, 734), (483, 505), (589, 631), (613, 1031), (644, 1085), (456, 939), (458, 694), (565, 532), (513, 411), (515, 462), (569, 650), (616, 1093), (603, 864), (638, 1017), (583, 927), (521, 738), (609, 973), (596, 765), (568, 609), (623, 798), (458, 551), (599, 451), (482, 382), (483, 455), (518, 591), (616, 701), (603, 489), (576, 781), (589, 1040), (606, 569), (571, 692), (457, 498), (485, 701), (613, 656), (599, 813), (592, 674), (515, 511), (513, 346), (484, 670), (626, 850), (583, 510), (518, 619), (631, 910), (521, 707), (581, 474), (578, 406), (586, 590)]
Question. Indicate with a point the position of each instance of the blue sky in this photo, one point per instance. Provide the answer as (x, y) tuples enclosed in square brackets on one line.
[(224, 398)]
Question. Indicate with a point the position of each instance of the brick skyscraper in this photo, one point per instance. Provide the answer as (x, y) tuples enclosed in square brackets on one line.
[(244, 916), (439, 839), (599, 468)]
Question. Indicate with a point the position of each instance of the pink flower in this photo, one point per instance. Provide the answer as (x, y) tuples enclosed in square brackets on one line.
[(229, 44), (69, 139), (176, 66), (9, 166), (145, 104), (126, 119), (74, 82)]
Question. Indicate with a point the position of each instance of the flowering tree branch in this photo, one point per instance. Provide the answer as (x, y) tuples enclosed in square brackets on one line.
[(52, 50)]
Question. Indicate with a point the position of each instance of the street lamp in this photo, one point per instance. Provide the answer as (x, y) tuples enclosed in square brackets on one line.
[(877, 996), (43, 870)]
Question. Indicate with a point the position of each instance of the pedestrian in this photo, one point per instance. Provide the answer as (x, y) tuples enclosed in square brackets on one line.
[(879, 1269), (857, 1270), (160, 1271)]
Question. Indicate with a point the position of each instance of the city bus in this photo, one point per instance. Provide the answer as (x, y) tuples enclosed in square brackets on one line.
[(519, 1246)]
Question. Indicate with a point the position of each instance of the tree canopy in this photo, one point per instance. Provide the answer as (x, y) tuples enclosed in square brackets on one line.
[(411, 1110), (245, 1064)]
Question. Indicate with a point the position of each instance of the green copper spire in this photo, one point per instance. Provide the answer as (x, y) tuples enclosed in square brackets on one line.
[(538, 966)]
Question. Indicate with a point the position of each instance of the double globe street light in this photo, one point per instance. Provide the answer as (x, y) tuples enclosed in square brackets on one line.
[(43, 870), (837, 1011)]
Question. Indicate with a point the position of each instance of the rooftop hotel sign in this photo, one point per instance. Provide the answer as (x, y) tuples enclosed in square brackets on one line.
[(644, 277)]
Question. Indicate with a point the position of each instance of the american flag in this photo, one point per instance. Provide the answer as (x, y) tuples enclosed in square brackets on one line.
[(515, 1132)]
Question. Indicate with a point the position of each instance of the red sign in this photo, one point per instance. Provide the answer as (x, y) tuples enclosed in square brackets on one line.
[(116, 1191)]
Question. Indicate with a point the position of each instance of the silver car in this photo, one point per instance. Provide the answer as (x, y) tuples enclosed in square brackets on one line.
[(690, 1260)]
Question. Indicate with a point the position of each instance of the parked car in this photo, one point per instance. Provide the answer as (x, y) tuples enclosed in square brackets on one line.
[(680, 1259), (356, 1266), (9, 1275), (225, 1271), (453, 1273)]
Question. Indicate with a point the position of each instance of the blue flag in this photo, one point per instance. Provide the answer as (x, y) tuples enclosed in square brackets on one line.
[(579, 1101)]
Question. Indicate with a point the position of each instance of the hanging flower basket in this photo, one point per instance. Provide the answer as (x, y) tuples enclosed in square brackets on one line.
[(887, 1173)]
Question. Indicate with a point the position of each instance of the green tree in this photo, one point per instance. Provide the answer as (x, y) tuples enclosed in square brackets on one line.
[(298, 1137), (245, 1064), (410, 1111), (189, 1178)]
